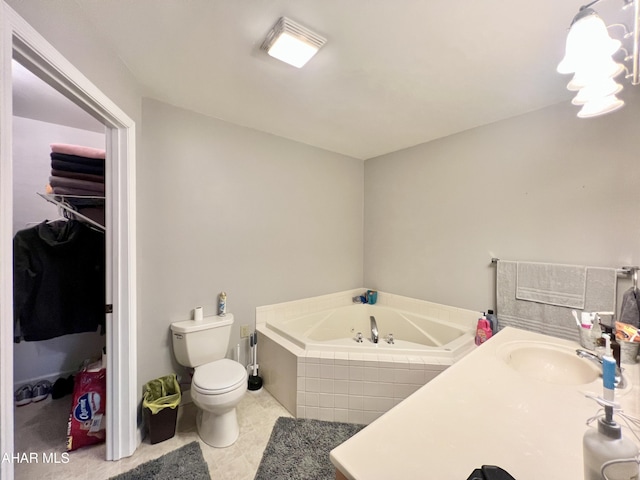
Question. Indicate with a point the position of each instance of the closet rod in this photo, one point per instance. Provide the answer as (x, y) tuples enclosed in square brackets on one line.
[(75, 213)]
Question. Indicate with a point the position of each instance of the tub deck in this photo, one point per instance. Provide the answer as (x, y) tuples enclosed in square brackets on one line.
[(311, 364)]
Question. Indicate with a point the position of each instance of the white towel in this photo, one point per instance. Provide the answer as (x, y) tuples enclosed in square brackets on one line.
[(600, 296)]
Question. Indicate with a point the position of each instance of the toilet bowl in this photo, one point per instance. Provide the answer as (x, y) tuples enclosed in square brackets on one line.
[(218, 383), (217, 389)]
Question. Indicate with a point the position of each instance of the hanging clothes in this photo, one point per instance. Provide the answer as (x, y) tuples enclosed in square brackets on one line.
[(58, 280), (630, 310)]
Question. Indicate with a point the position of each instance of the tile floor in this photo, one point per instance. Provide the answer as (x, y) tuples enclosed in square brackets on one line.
[(41, 427)]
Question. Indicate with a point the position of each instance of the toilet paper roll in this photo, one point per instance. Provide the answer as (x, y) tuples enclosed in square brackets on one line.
[(198, 314)]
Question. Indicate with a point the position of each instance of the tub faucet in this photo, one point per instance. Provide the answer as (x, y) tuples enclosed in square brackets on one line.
[(374, 329), (619, 382)]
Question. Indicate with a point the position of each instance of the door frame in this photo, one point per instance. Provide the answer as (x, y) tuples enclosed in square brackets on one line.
[(19, 40)]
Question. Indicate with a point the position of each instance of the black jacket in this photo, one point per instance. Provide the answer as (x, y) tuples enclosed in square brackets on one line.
[(58, 280)]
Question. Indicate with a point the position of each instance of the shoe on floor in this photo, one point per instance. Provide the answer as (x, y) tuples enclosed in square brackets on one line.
[(41, 390), (62, 387), (24, 395)]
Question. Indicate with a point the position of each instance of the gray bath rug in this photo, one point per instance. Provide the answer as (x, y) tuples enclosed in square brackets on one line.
[(298, 449), (185, 463)]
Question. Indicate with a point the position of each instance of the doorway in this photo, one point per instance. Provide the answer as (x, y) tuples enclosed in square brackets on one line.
[(21, 42)]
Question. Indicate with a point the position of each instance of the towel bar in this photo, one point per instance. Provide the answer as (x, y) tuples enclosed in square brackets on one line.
[(627, 270)]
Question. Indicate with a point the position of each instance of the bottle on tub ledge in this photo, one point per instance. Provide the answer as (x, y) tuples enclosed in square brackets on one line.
[(370, 297), (222, 304), (493, 321), (483, 330)]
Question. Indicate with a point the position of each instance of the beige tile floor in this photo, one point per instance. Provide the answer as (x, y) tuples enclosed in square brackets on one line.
[(41, 428)]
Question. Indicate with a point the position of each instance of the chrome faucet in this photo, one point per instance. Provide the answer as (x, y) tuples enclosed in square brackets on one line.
[(374, 329), (589, 356), (619, 382)]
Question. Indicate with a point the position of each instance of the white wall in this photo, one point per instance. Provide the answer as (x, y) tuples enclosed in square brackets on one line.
[(545, 186), (223, 207), (31, 171)]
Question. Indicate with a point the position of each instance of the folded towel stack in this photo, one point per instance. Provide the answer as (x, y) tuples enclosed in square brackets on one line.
[(79, 171)]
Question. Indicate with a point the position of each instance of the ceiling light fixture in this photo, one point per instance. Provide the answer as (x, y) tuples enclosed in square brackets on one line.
[(589, 56), (292, 43)]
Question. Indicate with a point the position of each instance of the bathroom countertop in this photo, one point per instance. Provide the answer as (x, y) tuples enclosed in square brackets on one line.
[(481, 411)]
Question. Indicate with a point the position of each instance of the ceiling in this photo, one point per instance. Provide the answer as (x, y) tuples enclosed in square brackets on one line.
[(392, 74)]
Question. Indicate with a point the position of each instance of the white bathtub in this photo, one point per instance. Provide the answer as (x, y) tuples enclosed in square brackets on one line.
[(312, 365), (336, 330)]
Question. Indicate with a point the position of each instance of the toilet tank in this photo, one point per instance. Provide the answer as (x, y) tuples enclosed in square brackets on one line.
[(198, 342)]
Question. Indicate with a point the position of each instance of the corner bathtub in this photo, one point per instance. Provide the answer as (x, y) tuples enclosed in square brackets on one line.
[(311, 363), (336, 330)]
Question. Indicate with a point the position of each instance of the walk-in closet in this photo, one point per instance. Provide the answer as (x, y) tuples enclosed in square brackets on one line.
[(59, 258)]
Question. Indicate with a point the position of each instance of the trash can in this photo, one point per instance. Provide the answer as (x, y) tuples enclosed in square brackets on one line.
[(160, 404)]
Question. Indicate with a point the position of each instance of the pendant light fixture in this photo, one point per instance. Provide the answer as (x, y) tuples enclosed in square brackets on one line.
[(589, 56)]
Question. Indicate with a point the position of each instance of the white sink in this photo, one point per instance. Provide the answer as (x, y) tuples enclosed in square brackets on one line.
[(549, 363)]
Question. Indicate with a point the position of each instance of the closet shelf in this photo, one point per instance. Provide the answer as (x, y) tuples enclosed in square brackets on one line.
[(59, 201)]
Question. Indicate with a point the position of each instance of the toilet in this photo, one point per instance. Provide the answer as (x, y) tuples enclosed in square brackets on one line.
[(218, 383)]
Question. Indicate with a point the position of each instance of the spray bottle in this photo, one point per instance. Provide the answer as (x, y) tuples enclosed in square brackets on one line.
[(607, 454), (222, 304)]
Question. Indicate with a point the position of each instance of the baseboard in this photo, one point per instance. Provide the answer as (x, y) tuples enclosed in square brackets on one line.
[(50, 377)]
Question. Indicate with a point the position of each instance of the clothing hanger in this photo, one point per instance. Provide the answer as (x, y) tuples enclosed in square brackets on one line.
[(75, 215), (33, 224)]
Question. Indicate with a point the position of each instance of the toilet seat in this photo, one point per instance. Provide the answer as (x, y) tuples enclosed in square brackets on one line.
[(218, 377)]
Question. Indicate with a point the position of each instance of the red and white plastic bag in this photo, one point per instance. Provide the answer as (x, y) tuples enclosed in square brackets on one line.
[(86, 422)]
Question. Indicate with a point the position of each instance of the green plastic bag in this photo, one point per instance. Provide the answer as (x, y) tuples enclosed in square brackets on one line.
[(161, 393)]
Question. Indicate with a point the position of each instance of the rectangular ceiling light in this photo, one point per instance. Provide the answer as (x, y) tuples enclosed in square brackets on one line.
[(292, 43)]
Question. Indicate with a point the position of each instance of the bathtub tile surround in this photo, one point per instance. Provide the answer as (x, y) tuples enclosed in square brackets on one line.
[(349, 386), (356, 390)]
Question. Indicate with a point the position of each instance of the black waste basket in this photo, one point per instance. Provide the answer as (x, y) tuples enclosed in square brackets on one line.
[(160, 404)]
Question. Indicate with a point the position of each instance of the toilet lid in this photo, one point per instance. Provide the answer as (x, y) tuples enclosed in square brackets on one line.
[(219, 377)]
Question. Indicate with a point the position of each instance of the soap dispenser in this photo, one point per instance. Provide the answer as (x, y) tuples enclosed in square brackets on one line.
[(483, 331), (606, 451)]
